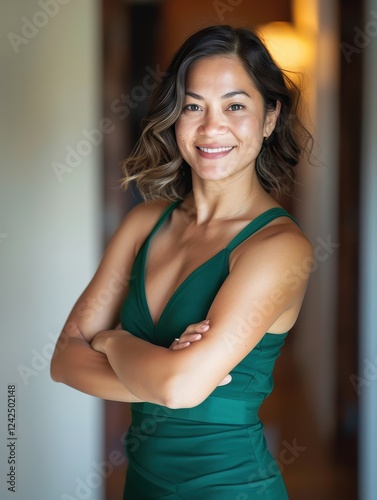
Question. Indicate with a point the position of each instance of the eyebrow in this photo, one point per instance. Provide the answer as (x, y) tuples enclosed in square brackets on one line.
[(228, 95)]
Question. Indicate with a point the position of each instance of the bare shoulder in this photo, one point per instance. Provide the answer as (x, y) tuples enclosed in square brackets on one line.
[(140, 220), (132, 231), (144, 212), (281, 244), (114, 272), (286, 236), (271, 267)]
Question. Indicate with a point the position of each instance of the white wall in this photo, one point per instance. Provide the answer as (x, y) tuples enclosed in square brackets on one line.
[(367, 382), (50, 239)]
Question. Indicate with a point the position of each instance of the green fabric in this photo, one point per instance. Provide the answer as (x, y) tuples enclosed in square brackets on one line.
[(216, 450)]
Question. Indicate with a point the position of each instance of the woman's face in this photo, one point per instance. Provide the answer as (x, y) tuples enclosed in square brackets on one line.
[(221, 128)]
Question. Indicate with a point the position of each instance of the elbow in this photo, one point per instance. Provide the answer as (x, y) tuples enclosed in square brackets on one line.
[(59, 361), (178, 402), (179, 386), (55, 372), (176, 394)]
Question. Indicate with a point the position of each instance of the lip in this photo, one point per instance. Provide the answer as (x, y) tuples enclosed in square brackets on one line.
[(214, 151)]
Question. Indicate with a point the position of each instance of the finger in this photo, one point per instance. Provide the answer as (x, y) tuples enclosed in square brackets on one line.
[(178, 344), (203, 326), (191, 334), (189, 337), (181, 345), (226, 380)]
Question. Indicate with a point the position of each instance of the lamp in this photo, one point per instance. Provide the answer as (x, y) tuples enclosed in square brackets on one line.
[(291, 48)]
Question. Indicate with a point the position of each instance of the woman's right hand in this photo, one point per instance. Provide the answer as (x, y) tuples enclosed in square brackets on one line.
[(193, 333)]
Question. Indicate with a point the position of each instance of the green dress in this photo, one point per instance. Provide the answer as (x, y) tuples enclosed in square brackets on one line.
[(216, 450)]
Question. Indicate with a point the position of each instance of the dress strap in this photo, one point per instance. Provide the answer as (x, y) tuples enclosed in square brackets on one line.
[(165, 214), (257, 224)]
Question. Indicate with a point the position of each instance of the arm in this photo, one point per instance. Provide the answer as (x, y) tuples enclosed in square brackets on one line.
[(74, 362), (90, 371), (259, 295)]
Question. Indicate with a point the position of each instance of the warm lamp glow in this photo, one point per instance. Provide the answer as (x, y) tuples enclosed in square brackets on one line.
[(291, 49)]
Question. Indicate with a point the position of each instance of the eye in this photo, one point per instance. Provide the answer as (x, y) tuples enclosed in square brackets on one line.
[(191, 107), (236, 107)]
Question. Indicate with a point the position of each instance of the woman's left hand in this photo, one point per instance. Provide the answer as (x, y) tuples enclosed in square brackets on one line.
[(193, 333)]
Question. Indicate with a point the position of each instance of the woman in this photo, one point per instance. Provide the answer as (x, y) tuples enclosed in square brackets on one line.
[(206, 295)]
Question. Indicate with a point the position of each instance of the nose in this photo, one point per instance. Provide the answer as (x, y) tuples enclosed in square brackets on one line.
[(213, 124)]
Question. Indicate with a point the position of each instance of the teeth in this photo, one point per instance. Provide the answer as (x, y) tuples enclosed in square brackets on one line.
[(215, 150)]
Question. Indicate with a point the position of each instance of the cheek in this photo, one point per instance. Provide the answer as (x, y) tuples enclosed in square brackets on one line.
[(182, 136), (180, 141), (179, 130), (249, 125), (179, 135), (250, 134)]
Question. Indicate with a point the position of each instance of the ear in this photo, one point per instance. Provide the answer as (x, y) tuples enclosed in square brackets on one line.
[(271, 119)]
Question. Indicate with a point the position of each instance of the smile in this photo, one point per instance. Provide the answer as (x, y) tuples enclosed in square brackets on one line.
[(215, 150)]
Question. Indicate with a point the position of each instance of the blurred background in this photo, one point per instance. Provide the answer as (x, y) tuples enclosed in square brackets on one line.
[(75, 81)]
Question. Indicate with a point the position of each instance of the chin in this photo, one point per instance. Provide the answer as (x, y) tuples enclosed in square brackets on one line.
[(213, 174)]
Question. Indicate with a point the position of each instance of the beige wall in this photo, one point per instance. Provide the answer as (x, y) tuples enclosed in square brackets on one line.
[(50, 237)]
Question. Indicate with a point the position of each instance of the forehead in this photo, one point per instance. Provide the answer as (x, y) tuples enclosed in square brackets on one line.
[(223, 72)]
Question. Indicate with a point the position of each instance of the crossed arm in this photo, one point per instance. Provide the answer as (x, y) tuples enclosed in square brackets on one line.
[(263, 292), (75, 362)]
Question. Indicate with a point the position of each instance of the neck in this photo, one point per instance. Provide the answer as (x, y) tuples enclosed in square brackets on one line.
[(224, 199)]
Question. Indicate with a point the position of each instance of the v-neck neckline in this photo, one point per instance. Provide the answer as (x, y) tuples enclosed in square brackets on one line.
[(228, 249), (164, 216), (177, 289)]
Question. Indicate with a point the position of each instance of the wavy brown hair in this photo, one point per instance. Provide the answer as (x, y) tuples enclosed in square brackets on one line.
[(156, 165)]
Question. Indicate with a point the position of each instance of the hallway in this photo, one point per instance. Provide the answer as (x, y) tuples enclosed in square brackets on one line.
[(289, 418)]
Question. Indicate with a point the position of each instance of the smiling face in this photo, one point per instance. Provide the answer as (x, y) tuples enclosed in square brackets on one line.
[(223, 122)]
